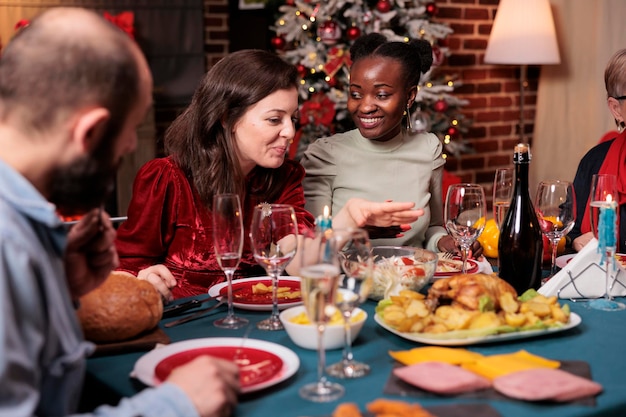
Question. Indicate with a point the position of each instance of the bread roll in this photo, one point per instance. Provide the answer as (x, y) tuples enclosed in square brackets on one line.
[(119, 309)]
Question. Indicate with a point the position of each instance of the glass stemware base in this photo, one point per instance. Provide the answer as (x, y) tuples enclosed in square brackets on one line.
[(272, 323), (322, 391), (348, 369), (231, 322)]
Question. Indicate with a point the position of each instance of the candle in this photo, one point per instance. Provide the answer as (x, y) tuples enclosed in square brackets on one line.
[(606, 224), (324, 221)]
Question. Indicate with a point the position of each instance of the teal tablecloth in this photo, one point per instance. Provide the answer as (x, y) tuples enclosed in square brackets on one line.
[(600, 340)]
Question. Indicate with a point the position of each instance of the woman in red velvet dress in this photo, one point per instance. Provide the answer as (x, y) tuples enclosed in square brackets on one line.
[(232, 138)]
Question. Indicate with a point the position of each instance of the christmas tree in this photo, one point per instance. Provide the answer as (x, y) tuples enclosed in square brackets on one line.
[(316, 37)]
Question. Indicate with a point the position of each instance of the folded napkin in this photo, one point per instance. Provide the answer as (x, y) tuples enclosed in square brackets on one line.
[(584, 276)]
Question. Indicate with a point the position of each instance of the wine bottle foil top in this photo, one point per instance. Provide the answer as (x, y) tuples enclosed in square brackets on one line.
[(521, 154)]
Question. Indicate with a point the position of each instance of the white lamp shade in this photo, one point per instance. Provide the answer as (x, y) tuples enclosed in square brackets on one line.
[(523, 34)]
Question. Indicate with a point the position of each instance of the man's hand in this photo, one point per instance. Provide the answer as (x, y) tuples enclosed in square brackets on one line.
[(211, 384), (581, 241), (90, 255)]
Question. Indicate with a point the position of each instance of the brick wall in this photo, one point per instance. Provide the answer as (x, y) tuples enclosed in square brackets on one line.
[(493, 91)]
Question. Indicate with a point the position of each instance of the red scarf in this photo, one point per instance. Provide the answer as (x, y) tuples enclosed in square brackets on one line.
[(615, 164)]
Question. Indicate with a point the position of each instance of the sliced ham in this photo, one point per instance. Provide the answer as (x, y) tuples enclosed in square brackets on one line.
[(543, 384), (441, 378)]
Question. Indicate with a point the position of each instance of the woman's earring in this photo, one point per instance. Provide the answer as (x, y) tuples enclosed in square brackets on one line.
[(621, 126), (408, 118)]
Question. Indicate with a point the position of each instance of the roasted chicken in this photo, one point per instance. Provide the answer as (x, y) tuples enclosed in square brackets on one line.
[(466, 290)]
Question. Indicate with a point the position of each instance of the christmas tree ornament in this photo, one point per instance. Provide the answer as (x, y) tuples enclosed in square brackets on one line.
[(353, 33), (383, 6), (453, 131), (420, 122), (302, 71), (278, 42), (290, 2), (438, 55), (329, 32), (440, 106), (431, 9)]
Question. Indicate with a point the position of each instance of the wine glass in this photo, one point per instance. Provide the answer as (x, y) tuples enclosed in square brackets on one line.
[(555, 204), (319, 274), (273, 235), (604, 224), (228, 244), (502, 193), (355, 257), (464, 215)]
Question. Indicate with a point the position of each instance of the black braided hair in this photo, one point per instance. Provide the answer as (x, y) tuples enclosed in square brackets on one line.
[(416, 56)]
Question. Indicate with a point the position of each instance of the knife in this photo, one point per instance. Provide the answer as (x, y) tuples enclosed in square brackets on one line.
[(177, 309), (195, 315)]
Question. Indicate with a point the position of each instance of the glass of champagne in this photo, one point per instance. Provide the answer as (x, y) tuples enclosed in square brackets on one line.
[(228, 244), (355, 257), (502, 193), (555, 205), (273, 235), (603, 206), (464, 216), (319, 274)]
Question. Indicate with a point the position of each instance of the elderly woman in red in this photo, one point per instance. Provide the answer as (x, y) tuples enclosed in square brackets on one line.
[(232, 138)]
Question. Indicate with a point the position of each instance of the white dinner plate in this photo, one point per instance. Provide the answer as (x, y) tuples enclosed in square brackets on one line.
[(242, 289), (261, 364), (562, 260), (449, 340)]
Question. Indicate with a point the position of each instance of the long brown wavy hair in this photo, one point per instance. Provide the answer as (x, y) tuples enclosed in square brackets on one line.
[(201, 139)]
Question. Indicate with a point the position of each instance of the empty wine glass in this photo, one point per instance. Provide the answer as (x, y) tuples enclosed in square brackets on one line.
[(273, 235), (228, 244), (464, 215), (603, 206), (319, 274), (555, 204), (502, 193), (355, 257)]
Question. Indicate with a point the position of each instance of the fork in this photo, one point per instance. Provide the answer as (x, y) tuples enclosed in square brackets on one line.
[(448, 254)]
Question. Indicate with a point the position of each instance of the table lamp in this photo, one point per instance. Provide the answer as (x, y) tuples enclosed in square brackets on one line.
[(523, 34)]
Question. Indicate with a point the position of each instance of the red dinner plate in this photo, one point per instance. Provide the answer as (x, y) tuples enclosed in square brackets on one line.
[(261, 363), (472, 268), (244, 298), (255, 366)]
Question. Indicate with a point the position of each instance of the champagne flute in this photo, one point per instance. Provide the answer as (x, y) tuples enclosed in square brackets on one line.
[(464, 216), (502, 193), (228, 244), (273, 235), (555, 204), (604, 223), (319, 274), (356, 261)]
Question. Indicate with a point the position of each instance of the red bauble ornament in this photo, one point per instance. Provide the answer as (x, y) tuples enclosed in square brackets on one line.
[(438, 56), (440, 106), (332, 82), (453, 131), (431, 9), (290, 2), (278, 42), (329, 32), (383, 6), (353, 32), (302, 71)]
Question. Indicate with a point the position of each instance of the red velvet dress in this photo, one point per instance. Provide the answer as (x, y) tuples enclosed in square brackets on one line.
[(168, 224)]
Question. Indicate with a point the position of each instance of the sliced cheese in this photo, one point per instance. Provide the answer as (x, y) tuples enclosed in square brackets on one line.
[(498, 365), (453, 356)]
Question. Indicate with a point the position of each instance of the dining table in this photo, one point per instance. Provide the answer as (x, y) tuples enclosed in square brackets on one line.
[(599, 341)]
